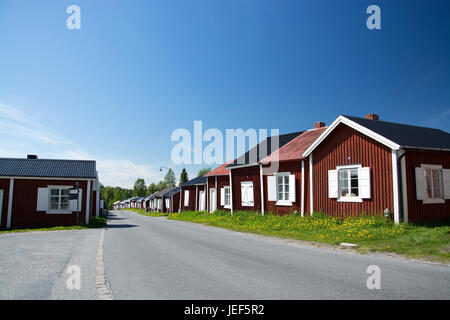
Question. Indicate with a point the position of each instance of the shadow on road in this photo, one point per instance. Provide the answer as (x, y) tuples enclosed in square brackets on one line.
[(119, 226)]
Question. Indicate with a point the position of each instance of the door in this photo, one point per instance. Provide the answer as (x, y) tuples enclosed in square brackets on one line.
[(212, 200), (202, 200)]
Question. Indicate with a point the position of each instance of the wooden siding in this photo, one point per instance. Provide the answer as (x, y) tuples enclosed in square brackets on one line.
[(295, 168), (243, 175), (417, 210), (192, 196), (222, 181), (4, 185), (346, 146), (24, 214)]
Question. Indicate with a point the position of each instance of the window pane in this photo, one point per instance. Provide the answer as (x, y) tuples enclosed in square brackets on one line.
[(280, 196), (428, 179), (54, 203), (436, 184), (279, 180), (286, 180), (54, 192), (286, 196), (65, 192), (354, 192), (64, 203)]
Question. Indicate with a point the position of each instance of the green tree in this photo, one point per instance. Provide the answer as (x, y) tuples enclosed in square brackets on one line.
[(139, 189), (203, 171), (183, 176), (170, 178), (152, 188)]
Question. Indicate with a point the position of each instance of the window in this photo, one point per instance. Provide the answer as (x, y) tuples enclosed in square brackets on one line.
[(348, 186), (430, 183), (433, 179), (227, 199), (59, 199), (283, 187), (349, 183), (247, 194)]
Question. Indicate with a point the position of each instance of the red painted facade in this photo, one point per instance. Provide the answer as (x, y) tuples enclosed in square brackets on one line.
[(24, 213), (194, 194), (4, 185), (246, 174), (222, 181), (346, 146), (417, 210)]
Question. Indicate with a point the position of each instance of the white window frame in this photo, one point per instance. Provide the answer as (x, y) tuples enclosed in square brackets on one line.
[(227, 188), (58, 211), (282, 202), (348, 199), (441, 184), (253, 196)]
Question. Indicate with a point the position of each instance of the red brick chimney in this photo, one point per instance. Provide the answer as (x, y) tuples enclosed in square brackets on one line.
[(372, 116), (319, 124)]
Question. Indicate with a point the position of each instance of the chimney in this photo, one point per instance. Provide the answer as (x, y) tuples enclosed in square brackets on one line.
[(319, 124), (372, 116), (32, 156)]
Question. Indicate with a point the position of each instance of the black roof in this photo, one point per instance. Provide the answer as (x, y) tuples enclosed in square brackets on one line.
[(161, 193), (172, 191), (252, 156), (198, 180), (406, 135), (48, 168)]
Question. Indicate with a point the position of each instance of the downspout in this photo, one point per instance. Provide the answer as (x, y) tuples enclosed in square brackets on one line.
[(261, 178), (400, 186), (231, 192)]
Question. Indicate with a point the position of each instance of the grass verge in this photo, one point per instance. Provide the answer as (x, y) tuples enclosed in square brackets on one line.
[(149, 214), (95, 222), (374, 234)]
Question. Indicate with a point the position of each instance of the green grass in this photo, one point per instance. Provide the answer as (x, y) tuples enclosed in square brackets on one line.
[(369, 233), (149, 214), (95, 222)]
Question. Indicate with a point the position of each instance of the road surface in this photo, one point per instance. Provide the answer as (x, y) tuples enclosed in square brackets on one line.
[(156, 258)]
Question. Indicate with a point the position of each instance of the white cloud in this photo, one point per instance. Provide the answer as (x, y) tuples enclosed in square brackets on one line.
[(22, 135)]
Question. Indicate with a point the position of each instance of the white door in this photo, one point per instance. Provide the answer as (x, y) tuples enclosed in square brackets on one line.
[(202, 200), (212, 200)]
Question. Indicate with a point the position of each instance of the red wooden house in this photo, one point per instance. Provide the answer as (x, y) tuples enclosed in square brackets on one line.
[(218, 188), (246, 176), (41, 192), (193, 195), (285, 183), (364, 165)]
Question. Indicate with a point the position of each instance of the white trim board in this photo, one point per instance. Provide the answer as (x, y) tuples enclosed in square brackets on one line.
[(355, 126)]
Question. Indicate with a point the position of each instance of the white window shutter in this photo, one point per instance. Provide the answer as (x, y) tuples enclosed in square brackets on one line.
[(250, 194), (222, 196), (271, 188), (42, 199), (364, 183), (73, 203), (243, 194), (421, 184), (292, 188), (332, 184), (186, 198), (446, 182)]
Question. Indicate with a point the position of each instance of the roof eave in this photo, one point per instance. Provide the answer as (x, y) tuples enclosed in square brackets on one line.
[(355, 126)]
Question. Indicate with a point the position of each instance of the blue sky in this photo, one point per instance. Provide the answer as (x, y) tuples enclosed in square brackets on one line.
[(115, 90)]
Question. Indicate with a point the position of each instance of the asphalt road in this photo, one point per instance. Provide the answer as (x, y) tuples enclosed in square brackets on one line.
[(155, 258), (34, 265)]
